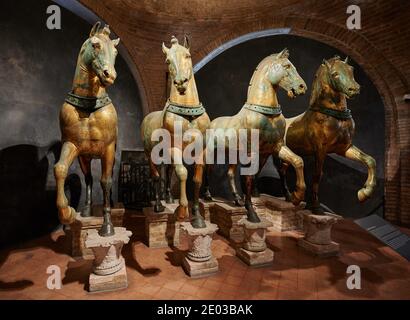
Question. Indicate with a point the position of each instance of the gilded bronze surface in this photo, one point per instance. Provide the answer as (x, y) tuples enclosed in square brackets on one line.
[(327, 127), (89, 134), (272, 72), (183, 93)]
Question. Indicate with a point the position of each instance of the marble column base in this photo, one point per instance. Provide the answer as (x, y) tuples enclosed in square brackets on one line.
[(199, 261), (109, 272), (318, 231), (253, 250)]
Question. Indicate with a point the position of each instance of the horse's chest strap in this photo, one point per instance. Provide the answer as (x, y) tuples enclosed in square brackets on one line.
[(88, 104)]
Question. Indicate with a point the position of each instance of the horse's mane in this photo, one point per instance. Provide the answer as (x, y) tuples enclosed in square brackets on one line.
[(261, 64), (321, 73)]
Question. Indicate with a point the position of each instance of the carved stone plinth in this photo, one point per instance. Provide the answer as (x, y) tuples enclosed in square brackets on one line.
[(161, 228), (109, 272), (253, 250), (226, 216), (317, 238), (81, 226), (199, 261), (284, 215)]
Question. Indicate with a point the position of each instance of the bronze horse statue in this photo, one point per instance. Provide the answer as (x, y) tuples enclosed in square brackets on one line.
[(88, 124), (263, 112), (182, 109), (327, 127)]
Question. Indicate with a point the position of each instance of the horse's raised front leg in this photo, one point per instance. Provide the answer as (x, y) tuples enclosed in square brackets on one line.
[(355, 153), (232, 185), (85, 164), (68, 153), (181, 172), (282, 168), (207, 174), (107, 164), (288, 156), (197, 219), (168, 195)]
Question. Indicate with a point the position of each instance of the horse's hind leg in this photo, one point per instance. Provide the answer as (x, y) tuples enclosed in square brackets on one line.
[(107, 164), (282, 168), (197, 219), (207, 174), (355, 153), (158, 207), (85, 164), (68, 153), (232, 185), (287, 155), (181, 172), (168, 195)]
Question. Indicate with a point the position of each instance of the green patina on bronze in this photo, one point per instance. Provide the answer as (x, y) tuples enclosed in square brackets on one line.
[(268, 110), (89, 104)]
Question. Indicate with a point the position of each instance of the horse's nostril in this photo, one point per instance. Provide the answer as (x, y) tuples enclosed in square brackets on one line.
[(106, 73), (185, 80), (302, 86)]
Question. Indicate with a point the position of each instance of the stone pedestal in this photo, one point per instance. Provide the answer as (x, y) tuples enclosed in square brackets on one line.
[(199, 261), (226, 216), (81, 226), (161, 228), (109, 272), (254, 251), (317, 238), (284, 215)]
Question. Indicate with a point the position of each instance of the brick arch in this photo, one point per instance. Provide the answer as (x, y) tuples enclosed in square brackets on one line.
[(388, 81)]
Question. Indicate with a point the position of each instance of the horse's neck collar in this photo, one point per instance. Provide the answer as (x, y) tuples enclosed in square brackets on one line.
[(268, 110), (184, 109), (87, 103)]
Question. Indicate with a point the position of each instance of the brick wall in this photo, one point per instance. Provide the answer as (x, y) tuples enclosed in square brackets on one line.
[(380, 47)]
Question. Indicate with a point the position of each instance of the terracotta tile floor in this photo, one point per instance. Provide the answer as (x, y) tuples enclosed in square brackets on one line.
[(157, 273)]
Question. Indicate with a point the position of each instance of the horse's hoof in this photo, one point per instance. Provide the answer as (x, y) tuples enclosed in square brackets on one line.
[(181, 213), (107, 229), (158, 207), (288, 197), (208, 196), (169, 198), (316, 209), (238, 202), (86, 212), (66, 215), (296, 199), (364, 194), (253, 217), (198, 222)]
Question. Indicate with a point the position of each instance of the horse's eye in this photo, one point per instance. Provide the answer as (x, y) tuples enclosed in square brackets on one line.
[(96, 45), (167, 61), (188, 56), (287, 66), (335, 74)]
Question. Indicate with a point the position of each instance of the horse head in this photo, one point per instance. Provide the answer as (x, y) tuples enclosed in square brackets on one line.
[(98, 54), (340, 75), (283, 73), (179, 63)]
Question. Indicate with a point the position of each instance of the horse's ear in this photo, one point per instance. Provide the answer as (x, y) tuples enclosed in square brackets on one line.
[(284, 54), (347, 59), (95, 28), (115, 42), (164, 49), (187, 43), (327, 64)]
